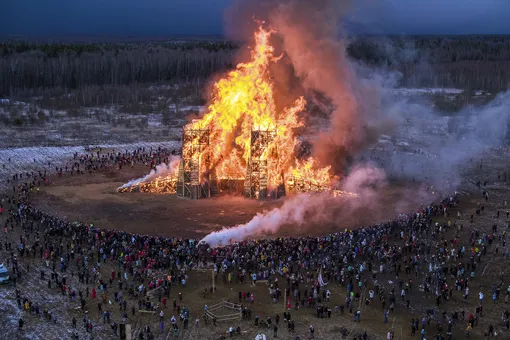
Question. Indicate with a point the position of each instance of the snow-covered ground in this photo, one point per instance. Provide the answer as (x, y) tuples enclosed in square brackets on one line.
[(35, 327), (447, 92), (187, 108), (431, 90), (16, 160)]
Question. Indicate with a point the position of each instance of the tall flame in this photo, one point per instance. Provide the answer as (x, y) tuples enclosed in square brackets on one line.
[(243, 102)]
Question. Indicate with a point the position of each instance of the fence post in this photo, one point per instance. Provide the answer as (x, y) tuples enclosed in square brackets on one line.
[(213, 287)]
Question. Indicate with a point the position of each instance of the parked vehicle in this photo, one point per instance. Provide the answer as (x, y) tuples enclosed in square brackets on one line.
[(4, 274)]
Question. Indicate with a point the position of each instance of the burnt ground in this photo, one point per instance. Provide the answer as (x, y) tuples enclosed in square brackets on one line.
[(78, 198)]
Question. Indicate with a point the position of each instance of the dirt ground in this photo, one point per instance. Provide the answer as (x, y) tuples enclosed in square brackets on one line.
[(93, 199)]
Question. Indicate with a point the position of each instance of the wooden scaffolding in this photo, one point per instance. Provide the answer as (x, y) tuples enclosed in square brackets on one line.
[(256, 184), (193, 178)]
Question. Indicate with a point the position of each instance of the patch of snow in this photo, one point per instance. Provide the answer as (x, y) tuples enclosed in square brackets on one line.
[(431, 90), (155, 120), (192, 108), (196, 108), (164, 87)]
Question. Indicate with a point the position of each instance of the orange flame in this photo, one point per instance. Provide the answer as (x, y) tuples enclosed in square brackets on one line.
[(243, 101)]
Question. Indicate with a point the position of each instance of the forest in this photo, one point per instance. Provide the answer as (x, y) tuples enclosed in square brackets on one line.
[(39, 69), (463, 62)]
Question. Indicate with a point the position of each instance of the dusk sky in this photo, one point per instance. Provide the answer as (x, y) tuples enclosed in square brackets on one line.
[(61, 18)]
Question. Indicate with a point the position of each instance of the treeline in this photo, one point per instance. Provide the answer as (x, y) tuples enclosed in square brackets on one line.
[(462, 62), (37, 67), (57, 48), (466, 62)]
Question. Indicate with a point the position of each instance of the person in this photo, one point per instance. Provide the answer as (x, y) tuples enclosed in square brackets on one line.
[(491, 330), (468, 329), (312, 331), (109, 239), (20, 324), (275, 331)]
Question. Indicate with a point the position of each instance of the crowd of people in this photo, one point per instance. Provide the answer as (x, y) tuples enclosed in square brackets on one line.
[(385, 266)]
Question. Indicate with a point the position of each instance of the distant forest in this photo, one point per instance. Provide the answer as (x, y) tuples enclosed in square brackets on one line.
[(464, 62), (34, 69)]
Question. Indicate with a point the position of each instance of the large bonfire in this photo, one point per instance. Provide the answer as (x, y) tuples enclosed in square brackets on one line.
[(244, 101)]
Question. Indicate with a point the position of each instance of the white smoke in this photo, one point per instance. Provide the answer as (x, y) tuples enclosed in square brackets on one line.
[(161, 171), (446, 143), (363, 112), (487, 126), (306, 209), (293, 211)]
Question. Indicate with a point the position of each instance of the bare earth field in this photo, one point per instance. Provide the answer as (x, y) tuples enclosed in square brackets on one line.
[(95, 200)]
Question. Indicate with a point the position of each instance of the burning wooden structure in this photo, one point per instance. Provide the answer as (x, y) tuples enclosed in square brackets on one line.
[(192, 180), (245, 143), (256, 182)]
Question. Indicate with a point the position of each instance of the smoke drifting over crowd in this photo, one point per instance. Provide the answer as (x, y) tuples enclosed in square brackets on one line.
[(362, 110), (300, 211), (315, 57)]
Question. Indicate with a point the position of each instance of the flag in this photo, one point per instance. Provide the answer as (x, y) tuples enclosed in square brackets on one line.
[(321, 280)]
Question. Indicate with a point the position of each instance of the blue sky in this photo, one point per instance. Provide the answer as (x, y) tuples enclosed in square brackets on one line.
[(205, 17)]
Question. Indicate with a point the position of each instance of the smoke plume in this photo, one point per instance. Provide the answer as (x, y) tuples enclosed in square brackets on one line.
[(161, 171), (304, 211), (425, 144), (310, 33), (298, 211), (293, 212), (440, 146), (309, 37)]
